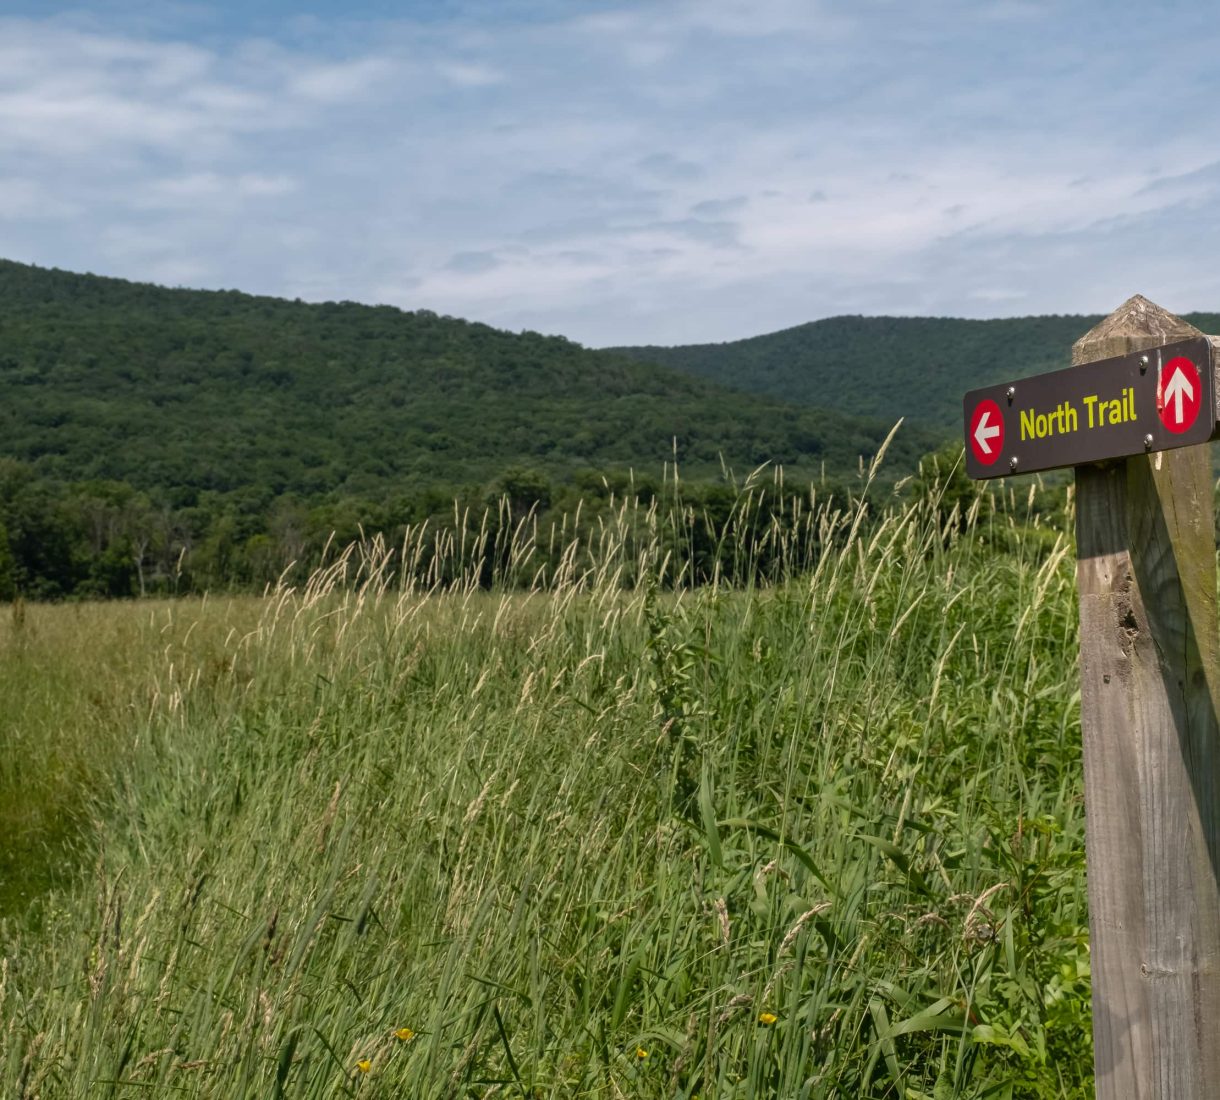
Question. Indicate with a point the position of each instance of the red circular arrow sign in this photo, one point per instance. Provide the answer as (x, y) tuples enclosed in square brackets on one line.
[(986, 434), (1179, 394)]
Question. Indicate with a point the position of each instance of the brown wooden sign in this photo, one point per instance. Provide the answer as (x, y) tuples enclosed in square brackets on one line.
[(1147, 401), (1149, 677)]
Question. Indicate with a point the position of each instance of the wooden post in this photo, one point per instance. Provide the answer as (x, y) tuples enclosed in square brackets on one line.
[(1149, 677)]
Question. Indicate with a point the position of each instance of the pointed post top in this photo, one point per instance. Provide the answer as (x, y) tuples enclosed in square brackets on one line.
[(1136, 325)]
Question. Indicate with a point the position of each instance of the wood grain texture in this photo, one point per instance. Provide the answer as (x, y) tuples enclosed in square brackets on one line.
[(1149, 651)]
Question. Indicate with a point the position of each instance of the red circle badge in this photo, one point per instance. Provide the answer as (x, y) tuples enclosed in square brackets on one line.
[(986, 432), (1179, 394)]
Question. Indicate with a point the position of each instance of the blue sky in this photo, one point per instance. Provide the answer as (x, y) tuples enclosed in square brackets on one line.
[(623, 172)]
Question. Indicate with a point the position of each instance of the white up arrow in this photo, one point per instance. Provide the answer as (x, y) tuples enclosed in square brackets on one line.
[(983, 433), (1179, 387)]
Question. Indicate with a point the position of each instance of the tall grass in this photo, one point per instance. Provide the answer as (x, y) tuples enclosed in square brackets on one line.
[(591, 832)]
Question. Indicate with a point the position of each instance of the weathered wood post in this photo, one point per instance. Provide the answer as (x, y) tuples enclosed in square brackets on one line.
[(1134, 426), (1146, 567)]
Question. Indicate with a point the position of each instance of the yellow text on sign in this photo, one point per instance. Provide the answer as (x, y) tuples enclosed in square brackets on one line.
[(1066, 417)]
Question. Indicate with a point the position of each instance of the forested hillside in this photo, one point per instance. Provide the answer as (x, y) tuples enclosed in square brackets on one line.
[(887, 367), (195, 390), (156, 438)]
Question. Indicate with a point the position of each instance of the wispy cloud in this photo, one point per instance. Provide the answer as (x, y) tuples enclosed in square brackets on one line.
[(693, 169)]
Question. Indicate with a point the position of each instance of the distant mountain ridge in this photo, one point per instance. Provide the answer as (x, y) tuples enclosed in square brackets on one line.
[(219, 390), (886, 367)]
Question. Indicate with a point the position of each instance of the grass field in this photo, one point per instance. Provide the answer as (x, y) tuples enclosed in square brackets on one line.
[(613, 836)]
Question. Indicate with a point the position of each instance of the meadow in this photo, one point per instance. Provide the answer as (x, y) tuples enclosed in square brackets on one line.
[(589, 830)]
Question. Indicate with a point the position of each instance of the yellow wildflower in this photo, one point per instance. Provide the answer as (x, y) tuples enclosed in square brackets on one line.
[(405, 1034), (767, 1018), (641, 1053), (364, 1065)]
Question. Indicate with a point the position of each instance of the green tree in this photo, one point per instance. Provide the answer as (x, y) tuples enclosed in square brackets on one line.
[(524, 488), (8, 570)]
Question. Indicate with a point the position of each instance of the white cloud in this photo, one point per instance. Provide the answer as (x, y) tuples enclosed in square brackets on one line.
[(190, 191), (26, 199), (465, 74), (732, 19), (694, 169), (340, 82)]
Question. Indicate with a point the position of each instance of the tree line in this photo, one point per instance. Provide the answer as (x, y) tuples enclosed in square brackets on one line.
[(100, 539)]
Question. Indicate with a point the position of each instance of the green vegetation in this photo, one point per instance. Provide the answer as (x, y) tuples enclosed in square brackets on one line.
[(887, 367), (558, 780), (169, 441), (584, 831), (95, 539)]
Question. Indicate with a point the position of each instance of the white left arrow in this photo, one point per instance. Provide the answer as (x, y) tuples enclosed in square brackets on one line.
[(983, 434), (1179, 387)]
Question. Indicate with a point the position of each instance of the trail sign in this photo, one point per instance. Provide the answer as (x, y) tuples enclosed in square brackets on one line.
[(1143, 381), (1132, 404)]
